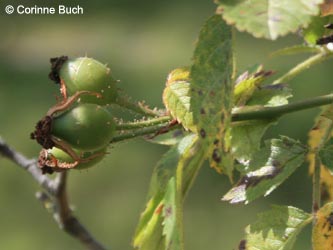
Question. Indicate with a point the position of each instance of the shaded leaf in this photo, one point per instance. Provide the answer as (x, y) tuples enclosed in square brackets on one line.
[(247, 83), (271, 95), (170, 138), (158, 226), (268, 18), (269, 167), (246, 135), (320, 133), (212, 91), (315, 30), (246, 138), (275, 229), (326, 155), (176, 97), (322, 231)]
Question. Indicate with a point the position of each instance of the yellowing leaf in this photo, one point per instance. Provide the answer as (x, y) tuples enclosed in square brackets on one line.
[(247, 83), (327, 8), (322, 232), (176, 98), (318, 135)]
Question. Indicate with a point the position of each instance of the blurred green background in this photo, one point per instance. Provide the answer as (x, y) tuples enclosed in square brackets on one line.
[(141, 42)]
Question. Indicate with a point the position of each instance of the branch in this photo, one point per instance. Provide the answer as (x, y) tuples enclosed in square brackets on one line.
[(299, 68), (275, 112), (54, 197), (153, 126)]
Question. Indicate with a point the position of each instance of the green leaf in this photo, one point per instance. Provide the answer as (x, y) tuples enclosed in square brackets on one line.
[(275, 229), (247, 83), (246, 135), (269, 18), (326, 155), (271, 95), (322, 234), (315, 30), (176, 97), (212, 91), (246, 138), (269, 167), (159, 225)]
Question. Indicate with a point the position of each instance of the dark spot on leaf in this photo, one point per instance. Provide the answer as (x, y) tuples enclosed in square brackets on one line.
[(216, 156), (216, 142), (200, 92), (330, 221), (251, 179), (177, 133), (202, 133), (168, 211), (202, 111), (242, 245), (56, 64), (212, 93)]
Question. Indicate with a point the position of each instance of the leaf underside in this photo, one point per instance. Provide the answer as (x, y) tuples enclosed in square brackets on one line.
[(269, 18), (268, 168)]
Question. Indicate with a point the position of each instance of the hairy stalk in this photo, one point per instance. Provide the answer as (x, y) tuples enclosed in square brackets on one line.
[(143, 131), (137, 107), (154, 125), (144, 123), (299, 68), (316, 193)]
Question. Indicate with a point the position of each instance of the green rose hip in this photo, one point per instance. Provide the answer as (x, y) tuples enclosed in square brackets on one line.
[(85, 127), (84, 73)]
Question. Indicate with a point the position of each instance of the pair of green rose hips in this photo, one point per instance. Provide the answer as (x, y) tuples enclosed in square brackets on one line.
[(76, 132)]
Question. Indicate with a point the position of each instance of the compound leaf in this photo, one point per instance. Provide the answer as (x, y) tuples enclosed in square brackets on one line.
[(275, 229), (269, 18), (268, 168), (212, 92), (158, 228)]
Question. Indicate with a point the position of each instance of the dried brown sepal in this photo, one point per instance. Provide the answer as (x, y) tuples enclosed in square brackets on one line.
[(42, 133), (49, 164), (56, 64)]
